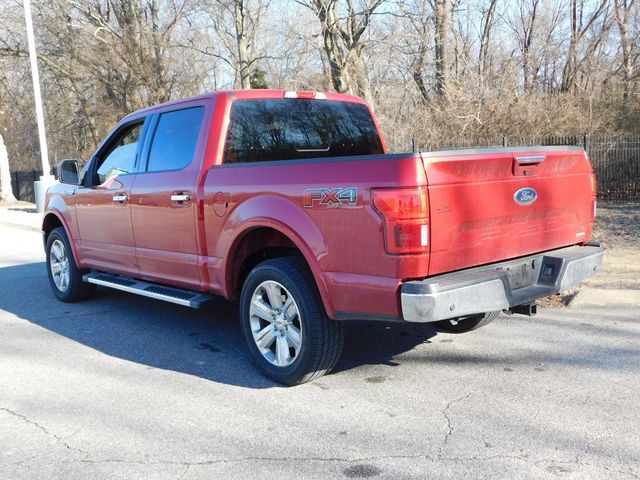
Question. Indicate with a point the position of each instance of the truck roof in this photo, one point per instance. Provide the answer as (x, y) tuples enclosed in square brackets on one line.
[(249, 94)]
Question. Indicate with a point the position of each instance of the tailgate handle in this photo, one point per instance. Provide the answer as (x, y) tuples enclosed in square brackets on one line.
[(527, 165), (530, 159)]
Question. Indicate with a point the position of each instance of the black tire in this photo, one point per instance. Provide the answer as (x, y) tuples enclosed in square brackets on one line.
[(322, 339), (75, 289), (467, 324)]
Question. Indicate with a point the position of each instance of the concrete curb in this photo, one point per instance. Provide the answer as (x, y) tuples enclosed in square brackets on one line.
[(20, 216), (21, 226)]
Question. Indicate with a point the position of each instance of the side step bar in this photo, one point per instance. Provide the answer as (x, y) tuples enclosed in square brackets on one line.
[(179, 296)]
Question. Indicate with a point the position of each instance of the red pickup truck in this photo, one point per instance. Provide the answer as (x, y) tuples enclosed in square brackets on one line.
[(290, 202)]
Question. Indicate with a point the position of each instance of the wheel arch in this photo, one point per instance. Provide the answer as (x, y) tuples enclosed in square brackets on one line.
[(50, 222), (261, 239)]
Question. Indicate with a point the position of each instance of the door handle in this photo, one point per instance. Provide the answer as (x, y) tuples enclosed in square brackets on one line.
[(70, 191), (121, 198), (180, 197)]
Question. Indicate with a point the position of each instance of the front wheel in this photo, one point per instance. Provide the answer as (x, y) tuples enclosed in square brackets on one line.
[(284, 323), (64, 276), (466, 324)]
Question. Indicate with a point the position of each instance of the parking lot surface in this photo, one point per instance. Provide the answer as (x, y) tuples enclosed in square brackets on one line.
[(126, 387)]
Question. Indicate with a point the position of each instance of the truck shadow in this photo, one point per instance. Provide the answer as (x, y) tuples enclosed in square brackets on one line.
[(206, 343)]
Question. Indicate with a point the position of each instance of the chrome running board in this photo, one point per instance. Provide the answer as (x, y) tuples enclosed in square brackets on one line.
[(178, 296)]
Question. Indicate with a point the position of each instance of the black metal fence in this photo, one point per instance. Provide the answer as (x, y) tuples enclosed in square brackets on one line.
[(616, 162), (22, 184), (615, 159)]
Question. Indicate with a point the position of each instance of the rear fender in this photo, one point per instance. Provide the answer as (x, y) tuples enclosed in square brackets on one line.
[(287, 218)]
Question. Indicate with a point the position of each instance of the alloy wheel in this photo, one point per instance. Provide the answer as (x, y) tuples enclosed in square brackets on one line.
[(276, 323), (59, 264)]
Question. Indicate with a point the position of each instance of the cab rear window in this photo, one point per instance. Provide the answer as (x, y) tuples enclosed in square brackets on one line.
[(288, 129)]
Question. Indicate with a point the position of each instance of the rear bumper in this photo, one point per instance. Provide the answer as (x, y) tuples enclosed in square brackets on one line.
[(498, 286)]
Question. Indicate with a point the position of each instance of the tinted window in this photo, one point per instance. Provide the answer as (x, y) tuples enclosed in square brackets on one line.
[(174, 143), (121, 157), (285, 129)]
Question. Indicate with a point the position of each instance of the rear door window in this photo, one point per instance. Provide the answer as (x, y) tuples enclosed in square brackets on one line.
[(175, 139), (286, 129)]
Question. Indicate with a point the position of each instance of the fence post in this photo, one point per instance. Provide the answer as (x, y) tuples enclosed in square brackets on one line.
[(17, 185), (585, 141)]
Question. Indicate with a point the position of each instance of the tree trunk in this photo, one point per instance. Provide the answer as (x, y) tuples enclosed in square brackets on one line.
[(160, 81), (623, 11), (485, 39), (360, 74), (569, 71), (581, 23), (326, 12), (343, 45), (528, 35), (243, 73), (417, 72), (441, 25), (6, 193)]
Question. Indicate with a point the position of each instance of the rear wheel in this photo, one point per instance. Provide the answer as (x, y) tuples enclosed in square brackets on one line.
[(64, 276), (466, 324), (286, 329)]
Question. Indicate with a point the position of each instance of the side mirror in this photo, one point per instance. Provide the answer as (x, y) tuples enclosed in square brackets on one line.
[(69, 172)]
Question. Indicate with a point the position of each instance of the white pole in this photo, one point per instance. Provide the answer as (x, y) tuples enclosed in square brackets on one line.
[(46, 179)]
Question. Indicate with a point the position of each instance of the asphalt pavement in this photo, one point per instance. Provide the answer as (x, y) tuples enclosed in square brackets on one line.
[(124, 387)]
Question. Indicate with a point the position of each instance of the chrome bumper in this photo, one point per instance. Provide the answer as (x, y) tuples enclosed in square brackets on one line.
[(498, 286)]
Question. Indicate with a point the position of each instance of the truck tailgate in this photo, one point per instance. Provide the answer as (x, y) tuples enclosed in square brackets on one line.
[(496, 204)]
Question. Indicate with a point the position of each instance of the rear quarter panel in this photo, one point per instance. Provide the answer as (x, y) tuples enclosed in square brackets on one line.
[(344, 245)]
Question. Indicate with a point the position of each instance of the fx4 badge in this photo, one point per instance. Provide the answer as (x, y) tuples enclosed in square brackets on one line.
[(331, 197)]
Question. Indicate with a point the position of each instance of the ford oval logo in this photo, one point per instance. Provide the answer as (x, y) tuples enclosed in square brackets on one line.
[(525, 196)]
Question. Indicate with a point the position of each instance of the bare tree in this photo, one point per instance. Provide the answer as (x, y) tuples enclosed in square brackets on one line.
[(236, 25), (415, 19), (430, 22), (486, 27), (581, 47), (624, 14), (343, 27), (100, 59), (130, 47), (242, 42), (524, 28), (422, 60), (441, 18)]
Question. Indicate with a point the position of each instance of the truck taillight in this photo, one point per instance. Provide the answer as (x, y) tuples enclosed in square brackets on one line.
[(405, 212), (594, 193)]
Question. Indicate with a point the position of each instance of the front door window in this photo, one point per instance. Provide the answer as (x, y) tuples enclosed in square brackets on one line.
[(120, 158)]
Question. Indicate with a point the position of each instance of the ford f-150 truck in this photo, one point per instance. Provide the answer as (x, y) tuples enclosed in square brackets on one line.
[(289, 202)]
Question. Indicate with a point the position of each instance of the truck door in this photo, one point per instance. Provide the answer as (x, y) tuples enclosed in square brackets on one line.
[(103, 203), (163, 197)]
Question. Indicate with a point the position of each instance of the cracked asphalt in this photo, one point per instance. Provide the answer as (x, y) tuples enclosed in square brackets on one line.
[(124, 387)]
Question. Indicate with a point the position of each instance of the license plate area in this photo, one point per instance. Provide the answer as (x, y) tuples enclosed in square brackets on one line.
[(522, 273)]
